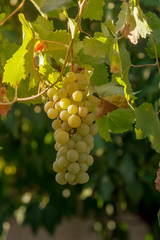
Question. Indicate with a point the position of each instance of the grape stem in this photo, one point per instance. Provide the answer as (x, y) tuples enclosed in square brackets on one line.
[(144, 65), (15, 11)]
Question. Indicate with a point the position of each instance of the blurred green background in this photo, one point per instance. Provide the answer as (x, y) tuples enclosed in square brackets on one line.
[(122, 176)]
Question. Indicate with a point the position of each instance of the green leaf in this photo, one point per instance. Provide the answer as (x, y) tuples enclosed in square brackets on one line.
[(58, 52), (109, 89), (122, 17), (121, 120), (127, 168), (148, 125), (100, 75), (94, 47), (150, 49), (49, 5), (154, 23), (94, 10), (22, 59), (43, 27), (2, 17), (103, 127), (159, 217)]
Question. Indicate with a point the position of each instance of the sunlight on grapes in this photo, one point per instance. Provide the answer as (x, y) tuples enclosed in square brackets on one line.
[(140, 55), (109, 209), (44, 202), (10, 170), (97, 226), (20, 214), (111, 5), (37, 109)]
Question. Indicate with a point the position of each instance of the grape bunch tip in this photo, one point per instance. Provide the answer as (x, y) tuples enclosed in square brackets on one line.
[(73, 110)]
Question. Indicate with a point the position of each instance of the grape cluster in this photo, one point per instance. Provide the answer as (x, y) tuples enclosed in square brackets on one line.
[(73, 110)]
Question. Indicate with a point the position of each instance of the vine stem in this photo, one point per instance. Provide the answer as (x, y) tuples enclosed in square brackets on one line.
[(79, 19), (48, 41), (145, 65), (16, 10)]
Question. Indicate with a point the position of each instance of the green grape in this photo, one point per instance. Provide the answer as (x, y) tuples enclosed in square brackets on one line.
[(69, 177), (56, 146), (89, 119), (82, 157), (72, 109), (82, 177), (71, 88), (55, 97), (58, 107), (82, 111), (62, 151), (77, 96), (72, 155), (65, 82), (51, 92), (71, 76), (76, 137), (83, 130), (73, 168), (60, 178), (81, 147), (62, 93), (93, 129), (47, 106), (62, 137), (63, 162), (70, 144), (88, 150), (89, 160), (52, 113), (88, 139), (57, 168), (83, 167), (64, 115), (74, 121), (65, 126), (82, 83), (56, 124), (90, 145), (64, 103)]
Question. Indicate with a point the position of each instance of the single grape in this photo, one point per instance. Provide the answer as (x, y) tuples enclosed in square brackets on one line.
[(47, 106), (89, 160), (93, 129), (56, 124), (63, 162), (51, 92), (60, 178), (82, 177), (88, 139), (72, 109), (81, 147), (57, 168), (52, 113), (74, 121), (65, 126), (82, 111), (69, 177), (72, 155), (76, 137), (77, 96), (70, 144), (83, 167), (62, 137), (83, 130), (64, 115), (82, 157), (71, 76), (57, 106), (64, 103), (73, 168), (62, 151), (89, 119), (71, 88), (62, 93)]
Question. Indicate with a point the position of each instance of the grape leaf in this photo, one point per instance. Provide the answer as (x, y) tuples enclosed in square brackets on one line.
[(43, 27), (154, 23), (122, 17), (148, 125), (103, 127), (100, 74), (150, 50), (109, 89), (2, 17), (57, 51), (49, 5), (94, 47), (22, 59), (94, 10), (159, 217)]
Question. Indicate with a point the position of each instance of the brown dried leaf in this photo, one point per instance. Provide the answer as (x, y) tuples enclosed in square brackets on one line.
[(130, 33), (157, 181), (3, 99), (111, 103)]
